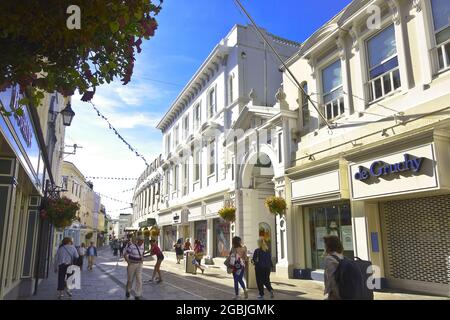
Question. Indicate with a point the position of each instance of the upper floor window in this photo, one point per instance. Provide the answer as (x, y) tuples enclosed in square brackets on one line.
[(230, 89), (186, 178), (212, 157), (168, 144), (304, 104), (384, 73), (176, 136), (333, 90), (175, 178), (212, 107), (186, 127), (65, 182), (197, 160), (441, 21), (197, 116)]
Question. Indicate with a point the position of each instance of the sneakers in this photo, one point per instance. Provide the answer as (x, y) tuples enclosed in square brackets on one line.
[(69, 293), (127, 294), (236, 298), (159, 281), (271, 294), (260, 297), (137, 298), (245, 294)]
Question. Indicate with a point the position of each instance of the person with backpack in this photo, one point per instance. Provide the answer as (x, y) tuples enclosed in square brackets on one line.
[(345, 279), (66, 256), (262, 259), (237, 262)]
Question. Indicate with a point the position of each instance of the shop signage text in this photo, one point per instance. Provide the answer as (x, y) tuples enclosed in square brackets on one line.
[(380, 168)]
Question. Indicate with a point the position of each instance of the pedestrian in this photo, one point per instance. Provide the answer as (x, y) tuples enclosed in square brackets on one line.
[(134, 256), (179, 250), (333, 247), (81, 253), (187, 245), (155, 250), (237, 262), (262, 259), (122, 246), (65, 257), (91, 253), (115, 247), (198, 256)]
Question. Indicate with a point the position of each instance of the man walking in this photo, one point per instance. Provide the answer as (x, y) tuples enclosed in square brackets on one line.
[(134, 256), (91, 253)]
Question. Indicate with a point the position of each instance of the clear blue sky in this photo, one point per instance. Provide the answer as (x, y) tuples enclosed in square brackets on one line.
[(187, 32)]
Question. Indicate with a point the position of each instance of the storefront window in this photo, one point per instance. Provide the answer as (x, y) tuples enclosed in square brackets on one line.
[(200, 232), (170, 237), (333, 219), (222, 238)]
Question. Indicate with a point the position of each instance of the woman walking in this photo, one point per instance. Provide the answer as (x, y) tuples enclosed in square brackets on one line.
[(237, 262), (187, 245), (81, 253), (155, 250), (179, 250), (262, 260), (65, 256), (198, 256)]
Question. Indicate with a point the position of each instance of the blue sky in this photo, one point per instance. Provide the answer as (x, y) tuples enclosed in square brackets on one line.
[(187, 32)]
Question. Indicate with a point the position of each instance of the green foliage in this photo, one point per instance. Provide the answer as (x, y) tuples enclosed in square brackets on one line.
[(41, 54), (276, 205), (228, 214), (89, 235), (61, 212)]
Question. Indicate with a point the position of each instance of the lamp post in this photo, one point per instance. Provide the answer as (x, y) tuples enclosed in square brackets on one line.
[(67, 115)]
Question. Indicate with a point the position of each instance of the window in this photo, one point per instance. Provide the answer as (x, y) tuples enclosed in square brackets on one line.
[(185, 178), (212, 157), (384, 74), (175, 178), (197, 157), (176, 136), (65, 182), (168, 144), (230, 89), (280, 147), (197, 116), (304, 101), (212, 108), (332, 90), (441, 24), (186, 127)]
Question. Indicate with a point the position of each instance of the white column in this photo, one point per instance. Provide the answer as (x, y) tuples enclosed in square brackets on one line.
[(210, 237), (423, 33)]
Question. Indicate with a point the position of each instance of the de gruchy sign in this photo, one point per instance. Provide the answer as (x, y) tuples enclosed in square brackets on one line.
[(380, 168)]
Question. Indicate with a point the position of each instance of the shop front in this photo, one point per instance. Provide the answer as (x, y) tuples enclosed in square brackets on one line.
[(221, 238), (404, 195), (321, 207)]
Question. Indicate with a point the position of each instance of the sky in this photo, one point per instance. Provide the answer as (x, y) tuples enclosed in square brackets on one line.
[(187, 32)]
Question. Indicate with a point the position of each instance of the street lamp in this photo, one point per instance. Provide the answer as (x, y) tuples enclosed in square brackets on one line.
[(68, 115)]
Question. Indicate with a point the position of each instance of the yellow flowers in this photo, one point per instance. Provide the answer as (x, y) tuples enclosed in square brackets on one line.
[(276, 205), (228, 214)]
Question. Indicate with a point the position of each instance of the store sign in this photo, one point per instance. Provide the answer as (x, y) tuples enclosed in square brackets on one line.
[(380, 168), (404, 172)]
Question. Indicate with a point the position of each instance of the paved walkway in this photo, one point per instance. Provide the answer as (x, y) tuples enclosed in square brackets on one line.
[(108, 279)]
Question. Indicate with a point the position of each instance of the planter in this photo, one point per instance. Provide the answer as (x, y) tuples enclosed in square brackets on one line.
[(60, 212), (228, 214), (276, 205)]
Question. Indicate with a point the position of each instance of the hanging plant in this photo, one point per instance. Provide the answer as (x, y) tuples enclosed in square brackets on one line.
[(228, 214), (147, 233), (154, 232), (89, 235), (276, 205), (61, 212)]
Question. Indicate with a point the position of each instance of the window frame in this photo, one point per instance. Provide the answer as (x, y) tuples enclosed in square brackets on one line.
[(436, 47), (197, 165), (209, 105), (212, 147), (197, 121), (324, 65)]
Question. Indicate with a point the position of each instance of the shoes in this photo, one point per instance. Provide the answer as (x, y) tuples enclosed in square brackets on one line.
[(159, 281), (260, 297), (271, 294), (60, 296), (137, 298), (127, 294), (69, 293), (236, 298), (245, 294), (203, 271)]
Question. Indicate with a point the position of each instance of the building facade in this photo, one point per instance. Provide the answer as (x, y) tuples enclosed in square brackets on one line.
[(31, 146), (377, 174), (231, 96)]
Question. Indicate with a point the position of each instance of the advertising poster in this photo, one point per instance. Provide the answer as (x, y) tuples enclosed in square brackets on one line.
[(320, 233), (222, 238), (347, 237)]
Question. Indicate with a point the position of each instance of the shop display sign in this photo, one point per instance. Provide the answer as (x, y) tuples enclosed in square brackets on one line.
[(380, 168), (347, 237)]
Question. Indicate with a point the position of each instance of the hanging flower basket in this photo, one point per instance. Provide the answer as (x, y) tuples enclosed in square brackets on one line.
[(147, 233), (60, 212), (276, 205), (228, 214), (89, 235), (154, 232)]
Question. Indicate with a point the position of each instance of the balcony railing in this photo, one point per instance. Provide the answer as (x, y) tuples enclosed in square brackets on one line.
[(443, 53), (334, 108), (384, 84)]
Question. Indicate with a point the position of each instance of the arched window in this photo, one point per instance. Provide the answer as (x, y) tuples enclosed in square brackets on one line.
[(304, 104)]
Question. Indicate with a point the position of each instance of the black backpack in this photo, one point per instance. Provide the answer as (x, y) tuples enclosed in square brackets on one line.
[(351, 278)]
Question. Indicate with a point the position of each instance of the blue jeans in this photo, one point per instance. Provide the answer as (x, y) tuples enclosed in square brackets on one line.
[(238, 279)]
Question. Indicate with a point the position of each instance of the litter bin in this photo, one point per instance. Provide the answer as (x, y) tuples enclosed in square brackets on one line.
[(250, 274), (189, 266)]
